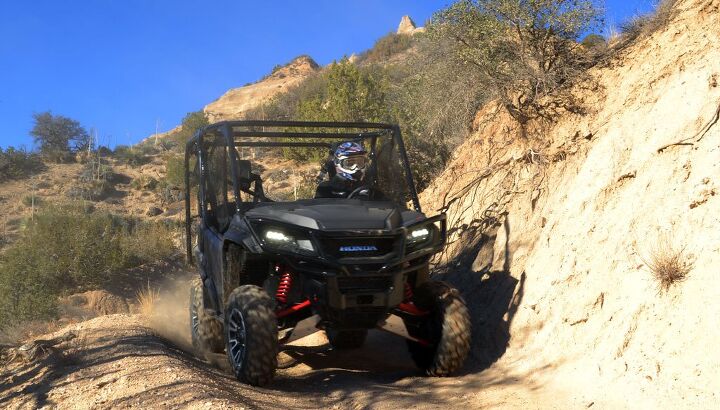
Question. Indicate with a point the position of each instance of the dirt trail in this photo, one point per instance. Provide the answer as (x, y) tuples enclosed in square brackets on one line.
[(123, 361), (118, 362)]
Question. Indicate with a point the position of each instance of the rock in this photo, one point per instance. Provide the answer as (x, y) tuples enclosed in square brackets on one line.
[(154, 211), (407, 26), (98, 301)]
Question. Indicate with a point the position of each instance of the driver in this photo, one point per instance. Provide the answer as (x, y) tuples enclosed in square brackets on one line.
[(347, 168)]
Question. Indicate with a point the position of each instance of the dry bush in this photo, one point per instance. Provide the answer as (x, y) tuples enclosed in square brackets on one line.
[(147, 299), (668, 263), (526, 54), (643, 25), (67, 249)]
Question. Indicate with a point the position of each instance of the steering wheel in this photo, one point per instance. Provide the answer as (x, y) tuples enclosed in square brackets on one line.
[(359, 191)]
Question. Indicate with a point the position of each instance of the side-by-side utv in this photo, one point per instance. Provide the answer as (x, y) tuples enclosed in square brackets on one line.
[(275, 267)]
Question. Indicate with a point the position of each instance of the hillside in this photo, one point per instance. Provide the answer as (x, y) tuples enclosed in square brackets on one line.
[(234, 103), (553, 242), (563, 233)]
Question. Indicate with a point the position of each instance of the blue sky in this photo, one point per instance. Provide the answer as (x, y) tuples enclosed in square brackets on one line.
[(121, 65)]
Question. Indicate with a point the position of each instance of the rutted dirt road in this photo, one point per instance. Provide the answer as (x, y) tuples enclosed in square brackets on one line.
[(117, 361)]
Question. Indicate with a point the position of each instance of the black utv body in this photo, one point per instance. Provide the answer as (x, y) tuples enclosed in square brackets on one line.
[(273, 271)]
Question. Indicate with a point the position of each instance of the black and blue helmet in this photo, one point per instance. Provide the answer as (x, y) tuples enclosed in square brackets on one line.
[(350, 159)]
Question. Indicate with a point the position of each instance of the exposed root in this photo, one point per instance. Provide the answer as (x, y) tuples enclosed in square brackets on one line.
[(698, 136)]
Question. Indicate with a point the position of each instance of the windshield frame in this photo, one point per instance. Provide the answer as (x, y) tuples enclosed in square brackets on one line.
[(255, 133)]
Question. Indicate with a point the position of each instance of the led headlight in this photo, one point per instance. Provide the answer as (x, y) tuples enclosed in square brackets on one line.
[(281, 240), (276, 236), (420, 237), (419, 234)]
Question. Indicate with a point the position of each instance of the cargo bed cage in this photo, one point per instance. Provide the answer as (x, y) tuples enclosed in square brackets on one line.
[(384, 143)]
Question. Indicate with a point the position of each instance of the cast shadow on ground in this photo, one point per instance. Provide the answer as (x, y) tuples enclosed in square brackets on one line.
[(492, 296)]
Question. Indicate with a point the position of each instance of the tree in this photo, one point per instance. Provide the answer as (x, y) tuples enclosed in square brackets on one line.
[(345, 93), (58, 136), (351, 94), (525, 51), (191, 123)]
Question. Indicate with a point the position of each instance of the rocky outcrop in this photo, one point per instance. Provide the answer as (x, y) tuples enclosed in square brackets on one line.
[(407, 26), (236, 102)]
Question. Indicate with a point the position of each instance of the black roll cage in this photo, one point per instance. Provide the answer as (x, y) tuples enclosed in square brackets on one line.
[(228, 131)]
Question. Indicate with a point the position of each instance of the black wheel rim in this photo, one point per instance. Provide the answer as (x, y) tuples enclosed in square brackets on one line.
[(194, 316), (236, 338), (194, 321)]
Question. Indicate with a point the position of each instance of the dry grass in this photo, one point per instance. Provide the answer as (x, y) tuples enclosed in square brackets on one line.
[(668, 263), (147, 299), (644, 25)]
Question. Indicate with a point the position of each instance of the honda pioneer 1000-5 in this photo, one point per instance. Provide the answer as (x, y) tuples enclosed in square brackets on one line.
[(282, 255)]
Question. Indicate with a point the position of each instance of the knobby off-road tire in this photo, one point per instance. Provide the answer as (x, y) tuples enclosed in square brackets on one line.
[(447, 327), (346, 339), (206, 332), (251, 335)]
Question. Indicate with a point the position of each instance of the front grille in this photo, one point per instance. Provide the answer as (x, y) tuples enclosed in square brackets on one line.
[(358, 247), (360, 284)]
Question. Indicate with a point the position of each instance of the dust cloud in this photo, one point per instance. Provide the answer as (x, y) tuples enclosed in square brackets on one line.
[(168, 314)]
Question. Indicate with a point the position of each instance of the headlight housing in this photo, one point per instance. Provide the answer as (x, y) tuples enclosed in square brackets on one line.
[(421, 236), (280, 239)]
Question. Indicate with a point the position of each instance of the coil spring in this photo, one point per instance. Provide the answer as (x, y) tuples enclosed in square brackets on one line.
[(408, 292), (284, 287)]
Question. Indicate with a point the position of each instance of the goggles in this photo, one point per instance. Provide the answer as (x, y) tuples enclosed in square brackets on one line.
[(354, 162)]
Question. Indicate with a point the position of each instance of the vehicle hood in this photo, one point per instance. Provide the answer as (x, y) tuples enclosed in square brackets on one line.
[(336, 214)]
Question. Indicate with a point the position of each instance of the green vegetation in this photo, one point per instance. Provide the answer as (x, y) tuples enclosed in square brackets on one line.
[(525, 53), (32, 200), (386, 47), (18, 164), (96, 181), (58, 137), (68, 249), (192, 122), (593, 41), (144, 182), (432, 101), (133, 156), (175, 170)]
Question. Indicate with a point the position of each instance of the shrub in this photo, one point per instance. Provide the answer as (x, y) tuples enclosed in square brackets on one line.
[(432, 101), (146, 242), (175, 170), (191, 123), (132, 156), (103, 151), (642, 25), (65, 248), (525, 53), (95, 182), (95, 190), (668, 263), (144, 182), (387, 47), (147, 299), (594, 41), (30, 200), (19, 164)]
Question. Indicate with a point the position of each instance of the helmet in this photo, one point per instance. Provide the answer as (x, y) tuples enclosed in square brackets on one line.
[(350, 159)]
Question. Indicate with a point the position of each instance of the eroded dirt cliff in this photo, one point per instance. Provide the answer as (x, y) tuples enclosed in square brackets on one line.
[(554, 236)]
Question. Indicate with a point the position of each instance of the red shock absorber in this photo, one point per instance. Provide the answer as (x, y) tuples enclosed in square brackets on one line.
[(408, 292), (284, 287)]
